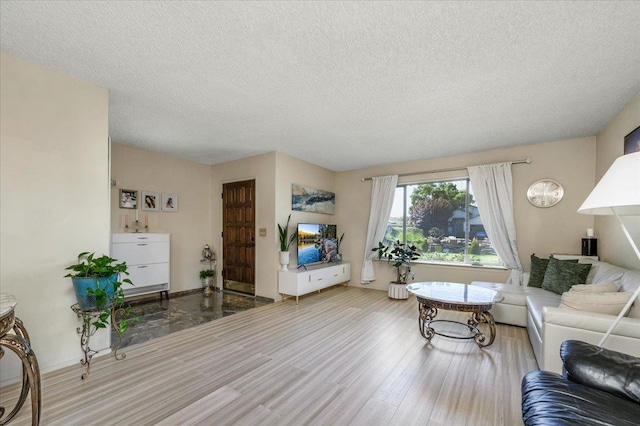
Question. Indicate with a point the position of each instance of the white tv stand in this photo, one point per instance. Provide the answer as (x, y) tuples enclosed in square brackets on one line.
[(297, 282)]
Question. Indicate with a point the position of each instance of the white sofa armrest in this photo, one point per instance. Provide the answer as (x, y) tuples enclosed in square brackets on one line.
[(564, 324), (629, 327)]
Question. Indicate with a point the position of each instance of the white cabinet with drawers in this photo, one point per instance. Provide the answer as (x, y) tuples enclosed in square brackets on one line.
[(147, 257), (296, 282)]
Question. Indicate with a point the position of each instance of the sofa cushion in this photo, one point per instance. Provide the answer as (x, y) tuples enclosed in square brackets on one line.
[(609, 287), (513, 294), (561, 275), (536, 305), (634, 312), (603, 272), (630, 280), (603, 303)]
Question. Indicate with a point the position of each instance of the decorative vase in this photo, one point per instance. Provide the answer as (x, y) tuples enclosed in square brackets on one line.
[(207, 284), (339, 258), (87, 302), (284, 260), (398, 291)]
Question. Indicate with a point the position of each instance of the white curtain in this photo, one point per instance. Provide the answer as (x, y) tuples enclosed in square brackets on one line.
[(493, 190), (382, 194)]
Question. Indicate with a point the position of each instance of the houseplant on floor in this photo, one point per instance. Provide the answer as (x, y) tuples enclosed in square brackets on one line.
[(96, 282), (401, 255), (207, 276), (285, 243)]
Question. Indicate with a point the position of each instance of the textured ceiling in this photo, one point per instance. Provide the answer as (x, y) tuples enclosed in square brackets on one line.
[(343, 85)]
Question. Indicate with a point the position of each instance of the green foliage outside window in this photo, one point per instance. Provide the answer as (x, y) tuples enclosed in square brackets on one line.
[(442, 221)]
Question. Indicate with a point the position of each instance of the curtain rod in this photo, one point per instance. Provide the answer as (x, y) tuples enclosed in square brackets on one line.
[(452, 169)]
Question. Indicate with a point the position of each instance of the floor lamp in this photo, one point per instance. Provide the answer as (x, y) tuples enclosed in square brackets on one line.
[(618, 194)]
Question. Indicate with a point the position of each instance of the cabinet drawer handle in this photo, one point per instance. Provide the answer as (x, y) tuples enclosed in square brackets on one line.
[(143, 238), (335, 275), (143, 244), (143, 266), (320, 279)]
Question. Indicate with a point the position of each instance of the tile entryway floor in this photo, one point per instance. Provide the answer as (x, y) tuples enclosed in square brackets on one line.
[(159, 318)]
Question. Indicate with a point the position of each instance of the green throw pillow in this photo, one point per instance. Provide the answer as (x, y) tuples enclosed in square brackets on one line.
[(561, 275), (538, 269)]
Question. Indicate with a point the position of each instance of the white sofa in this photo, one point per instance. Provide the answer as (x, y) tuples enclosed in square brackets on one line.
[(548, 325)]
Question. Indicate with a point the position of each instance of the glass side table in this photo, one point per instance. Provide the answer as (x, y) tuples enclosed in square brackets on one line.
[(14, 336), (88, 329)]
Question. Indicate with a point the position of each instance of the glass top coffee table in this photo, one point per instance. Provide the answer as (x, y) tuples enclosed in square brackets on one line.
[(456, 297)]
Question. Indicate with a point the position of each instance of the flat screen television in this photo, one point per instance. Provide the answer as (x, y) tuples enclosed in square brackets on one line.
[(316, 243)]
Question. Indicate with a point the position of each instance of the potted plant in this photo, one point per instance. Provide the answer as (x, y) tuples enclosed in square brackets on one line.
[(207, 276), (338, 254), (97, 285), (401, 255), (285, 243)]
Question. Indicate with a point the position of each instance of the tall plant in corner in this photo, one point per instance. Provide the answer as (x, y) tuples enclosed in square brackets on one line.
[(285, 242)]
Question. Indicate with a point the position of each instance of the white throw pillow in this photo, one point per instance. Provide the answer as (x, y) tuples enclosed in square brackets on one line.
[(609, 287), (606, 272), (602, 303)]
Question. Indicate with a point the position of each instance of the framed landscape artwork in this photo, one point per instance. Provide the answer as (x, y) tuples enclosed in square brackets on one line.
[(632, 141), (150, 201), (128, 199), (169, 202), (306, 199)]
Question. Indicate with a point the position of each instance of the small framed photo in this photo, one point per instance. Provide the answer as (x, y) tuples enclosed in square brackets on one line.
[(150, 201), (128, 199), (169, 202)]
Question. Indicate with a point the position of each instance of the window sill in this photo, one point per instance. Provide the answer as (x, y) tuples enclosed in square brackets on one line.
[(461, 265)]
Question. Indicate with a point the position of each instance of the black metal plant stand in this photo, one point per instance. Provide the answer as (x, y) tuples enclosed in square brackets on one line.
[(88, 329)]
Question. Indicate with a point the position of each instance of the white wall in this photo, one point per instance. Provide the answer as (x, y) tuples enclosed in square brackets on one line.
[(558, 229), (190, 227), (612, 244), (54, 201), (290, 170)]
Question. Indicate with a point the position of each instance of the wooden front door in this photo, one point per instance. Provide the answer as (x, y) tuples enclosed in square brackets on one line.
[(238, 236)]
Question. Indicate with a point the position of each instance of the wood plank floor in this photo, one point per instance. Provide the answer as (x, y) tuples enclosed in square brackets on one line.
[(346, 356)]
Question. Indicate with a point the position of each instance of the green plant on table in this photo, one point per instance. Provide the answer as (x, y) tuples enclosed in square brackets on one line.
[(285, 238), (207, 273), (338, 243)]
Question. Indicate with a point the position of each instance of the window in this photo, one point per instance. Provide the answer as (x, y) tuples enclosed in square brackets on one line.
[(442, 220)]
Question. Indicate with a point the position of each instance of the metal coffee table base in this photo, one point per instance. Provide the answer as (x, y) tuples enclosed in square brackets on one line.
[(479, 315)]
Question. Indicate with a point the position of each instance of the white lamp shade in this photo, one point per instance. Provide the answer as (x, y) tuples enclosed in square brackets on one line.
[(618, 189)]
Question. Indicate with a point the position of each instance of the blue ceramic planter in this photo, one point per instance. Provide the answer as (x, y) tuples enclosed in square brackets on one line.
[(88, 302)]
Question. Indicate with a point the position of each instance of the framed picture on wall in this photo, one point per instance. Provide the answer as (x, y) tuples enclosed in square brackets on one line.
[(169, 202), (632, 141), (128, 199), (150, 201)]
